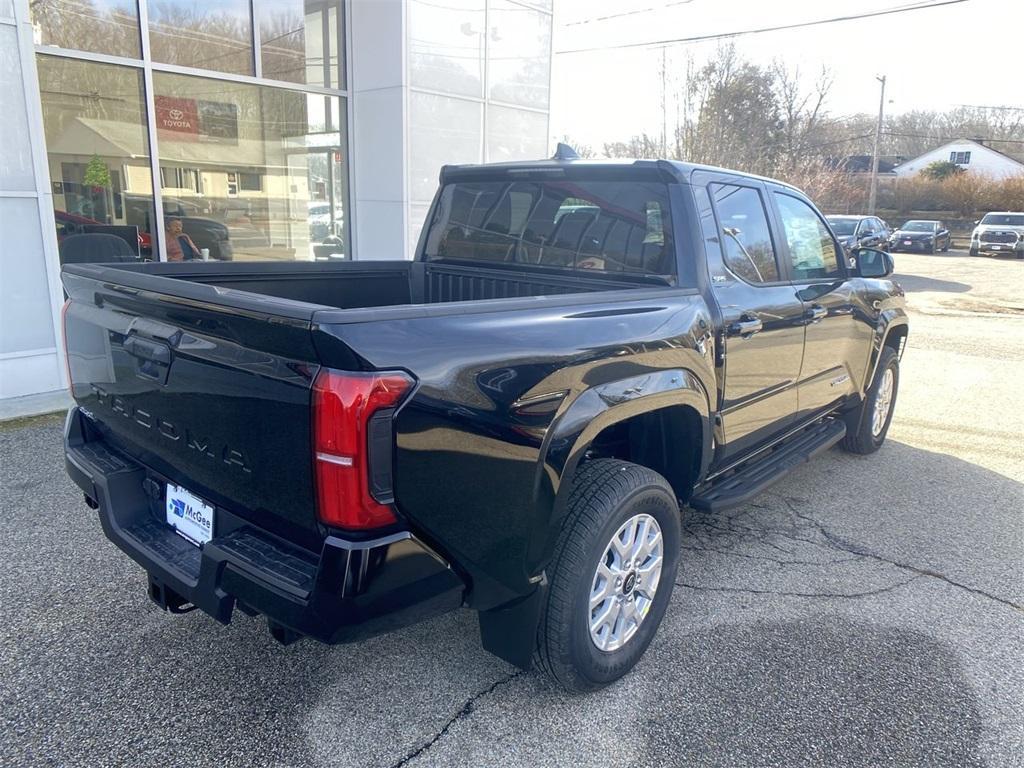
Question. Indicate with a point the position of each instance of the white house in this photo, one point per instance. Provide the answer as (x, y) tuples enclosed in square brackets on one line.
[(972, 156)]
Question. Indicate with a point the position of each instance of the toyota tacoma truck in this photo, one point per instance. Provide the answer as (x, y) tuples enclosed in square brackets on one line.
[(510, 422)]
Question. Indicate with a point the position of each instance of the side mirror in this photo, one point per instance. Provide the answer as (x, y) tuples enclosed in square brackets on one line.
[(871, 262)]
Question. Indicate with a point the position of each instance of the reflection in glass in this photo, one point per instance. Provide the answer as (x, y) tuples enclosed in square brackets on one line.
[(299, 41), (255, 172), (100, 26), (446, 46), (94, 120), (746, 237), (518, 54), (203, 35), (516, 134), (448, 130)]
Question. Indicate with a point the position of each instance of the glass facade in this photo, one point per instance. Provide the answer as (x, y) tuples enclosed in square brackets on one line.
[(94, 119), (215, 36), (254, 169), (264, 162), (299, 41), (479, 79), (98, 26)]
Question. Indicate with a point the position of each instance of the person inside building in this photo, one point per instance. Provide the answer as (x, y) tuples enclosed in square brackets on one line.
[(179, 245)]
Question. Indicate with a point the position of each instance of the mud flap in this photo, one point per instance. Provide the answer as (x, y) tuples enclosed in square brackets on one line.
[(510, 631)]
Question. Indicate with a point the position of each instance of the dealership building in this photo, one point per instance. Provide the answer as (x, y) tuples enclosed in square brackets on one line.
[(271, 129)]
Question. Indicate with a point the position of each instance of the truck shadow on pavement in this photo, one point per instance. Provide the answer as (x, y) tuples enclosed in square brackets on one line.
[(919, 283), (825, 690)]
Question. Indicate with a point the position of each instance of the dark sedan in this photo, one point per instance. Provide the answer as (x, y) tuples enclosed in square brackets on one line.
[(922, 235), (860, 231)]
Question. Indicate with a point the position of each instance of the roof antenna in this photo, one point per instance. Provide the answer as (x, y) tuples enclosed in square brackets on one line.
[(565, 152)]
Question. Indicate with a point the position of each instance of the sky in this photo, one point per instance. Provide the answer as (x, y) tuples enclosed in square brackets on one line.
[(934, 58)]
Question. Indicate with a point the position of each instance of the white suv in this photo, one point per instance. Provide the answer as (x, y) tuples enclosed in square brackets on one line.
[(999, 232)]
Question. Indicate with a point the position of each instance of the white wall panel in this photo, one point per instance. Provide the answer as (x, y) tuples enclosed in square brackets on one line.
[(16, 171)]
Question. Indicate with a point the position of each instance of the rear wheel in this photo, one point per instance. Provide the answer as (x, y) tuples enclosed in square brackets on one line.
[(612, 575), (867, 425)]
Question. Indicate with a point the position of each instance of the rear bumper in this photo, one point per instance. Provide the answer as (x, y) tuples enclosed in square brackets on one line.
[(348, 591)]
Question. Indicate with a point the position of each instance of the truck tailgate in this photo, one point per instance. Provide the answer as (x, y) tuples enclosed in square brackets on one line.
[(208, 388)]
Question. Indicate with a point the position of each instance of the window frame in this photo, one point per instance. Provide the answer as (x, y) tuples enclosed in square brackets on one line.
[(770, 221), (841, 260)]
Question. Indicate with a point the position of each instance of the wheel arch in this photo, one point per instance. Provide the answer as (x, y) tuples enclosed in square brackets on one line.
[(891, 332), (660, 400)]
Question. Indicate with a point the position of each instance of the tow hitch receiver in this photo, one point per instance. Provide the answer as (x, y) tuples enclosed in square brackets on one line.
[(167, 598)]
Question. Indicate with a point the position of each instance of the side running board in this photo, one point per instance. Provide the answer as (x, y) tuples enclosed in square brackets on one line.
[(760, 472)]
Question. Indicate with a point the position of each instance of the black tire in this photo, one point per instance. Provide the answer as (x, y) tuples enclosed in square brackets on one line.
[(606, 493), (860, 437)]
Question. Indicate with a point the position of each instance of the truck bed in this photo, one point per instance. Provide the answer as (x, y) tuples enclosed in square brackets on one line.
[(364, 284)]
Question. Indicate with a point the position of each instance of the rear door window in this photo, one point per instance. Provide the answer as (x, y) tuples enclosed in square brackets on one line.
[(603, 226), (745, 236)]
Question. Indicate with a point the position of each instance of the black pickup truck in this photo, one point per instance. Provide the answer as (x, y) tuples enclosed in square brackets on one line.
[(510, 422)]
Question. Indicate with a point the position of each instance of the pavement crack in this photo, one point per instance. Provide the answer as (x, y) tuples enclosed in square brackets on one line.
[(854, 549), (783, 593), (766, 558), (465, 711)]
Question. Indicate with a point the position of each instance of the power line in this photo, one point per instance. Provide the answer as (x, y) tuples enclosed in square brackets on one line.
[(634, 12), (760, 30), (987, 106), (980, 139)]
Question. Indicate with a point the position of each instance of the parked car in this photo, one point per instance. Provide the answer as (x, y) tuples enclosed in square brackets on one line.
[(921, 235), (999, 232), (510, 422), (860, 231), (321, 224)]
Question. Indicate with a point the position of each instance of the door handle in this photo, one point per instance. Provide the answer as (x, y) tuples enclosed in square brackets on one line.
[(151, 351), (815, 313), (746, 326)]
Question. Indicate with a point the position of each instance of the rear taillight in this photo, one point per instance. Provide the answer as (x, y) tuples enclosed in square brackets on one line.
[(64, 338), (350, 412)]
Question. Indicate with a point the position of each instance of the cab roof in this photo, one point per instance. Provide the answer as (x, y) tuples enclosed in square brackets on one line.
[(675, 170)]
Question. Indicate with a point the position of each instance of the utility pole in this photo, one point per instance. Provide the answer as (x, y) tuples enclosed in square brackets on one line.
[(664, 106), (874, 152)]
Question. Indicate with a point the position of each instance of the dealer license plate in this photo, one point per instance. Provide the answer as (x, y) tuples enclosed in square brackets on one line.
[(907, 242), (997, 247), (189, 515)]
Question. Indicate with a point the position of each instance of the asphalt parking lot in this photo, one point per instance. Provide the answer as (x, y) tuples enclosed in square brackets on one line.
[(865, 611)]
